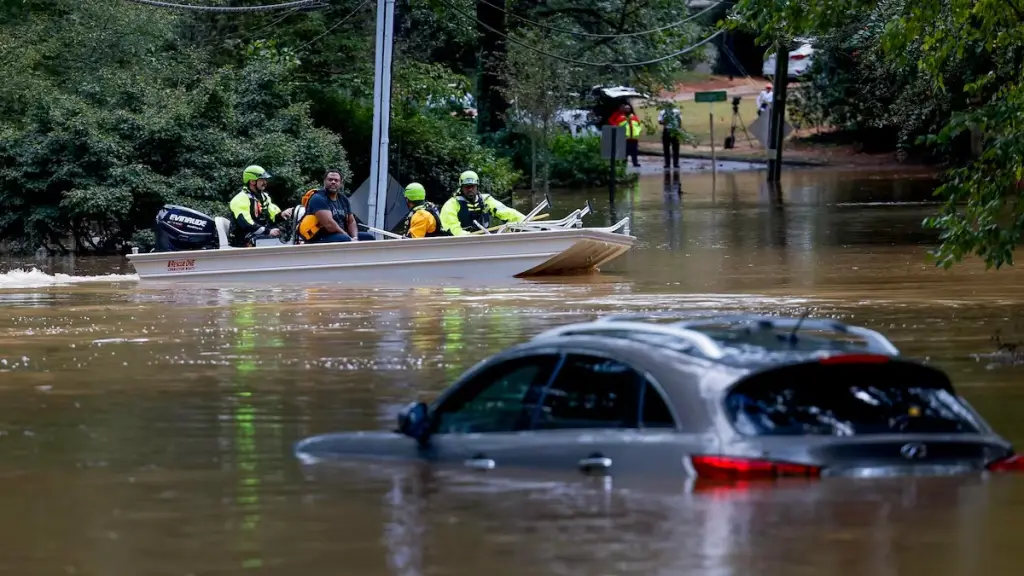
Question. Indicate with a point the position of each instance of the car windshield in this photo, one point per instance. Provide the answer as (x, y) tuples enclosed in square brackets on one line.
[(847, 400)]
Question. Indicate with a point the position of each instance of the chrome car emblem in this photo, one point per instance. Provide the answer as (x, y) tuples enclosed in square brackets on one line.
[(914, 451)]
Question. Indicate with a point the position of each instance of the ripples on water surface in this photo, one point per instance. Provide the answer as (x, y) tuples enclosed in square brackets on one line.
[(149, 430)]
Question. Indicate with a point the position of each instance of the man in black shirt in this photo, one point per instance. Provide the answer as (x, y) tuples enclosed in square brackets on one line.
[(329, 216)]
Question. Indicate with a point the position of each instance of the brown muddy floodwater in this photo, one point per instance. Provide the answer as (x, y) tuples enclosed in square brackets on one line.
[(149, 431)]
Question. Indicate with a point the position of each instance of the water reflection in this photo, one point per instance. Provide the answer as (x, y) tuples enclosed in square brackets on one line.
[(433, 516)]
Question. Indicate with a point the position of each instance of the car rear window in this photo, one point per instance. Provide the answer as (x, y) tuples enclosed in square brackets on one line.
[(848, 400)]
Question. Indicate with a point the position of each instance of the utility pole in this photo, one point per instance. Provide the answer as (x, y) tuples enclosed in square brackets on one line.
[(778, 110), (381, 114)]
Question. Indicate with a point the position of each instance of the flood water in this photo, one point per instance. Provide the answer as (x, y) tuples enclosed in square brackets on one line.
[(150, 430)]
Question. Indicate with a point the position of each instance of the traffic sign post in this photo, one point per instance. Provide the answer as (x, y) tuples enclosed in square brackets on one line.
[(613, 142), (710, 98), (613, 147)]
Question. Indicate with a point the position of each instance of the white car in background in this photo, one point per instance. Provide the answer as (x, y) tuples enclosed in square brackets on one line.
[(801, 54)]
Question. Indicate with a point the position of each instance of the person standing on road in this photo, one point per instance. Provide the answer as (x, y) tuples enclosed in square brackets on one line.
[(764, 99), (671, 120), (631, 122)]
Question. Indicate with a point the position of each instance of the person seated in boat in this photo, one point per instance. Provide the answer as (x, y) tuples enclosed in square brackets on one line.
[(253, 213), (423, 220), (329, 216), (467, 205)]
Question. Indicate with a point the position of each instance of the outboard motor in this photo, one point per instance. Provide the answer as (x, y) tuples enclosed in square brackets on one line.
[(178, 228)]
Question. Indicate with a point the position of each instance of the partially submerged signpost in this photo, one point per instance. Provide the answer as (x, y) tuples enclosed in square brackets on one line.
[(613, 147), (711, 98)]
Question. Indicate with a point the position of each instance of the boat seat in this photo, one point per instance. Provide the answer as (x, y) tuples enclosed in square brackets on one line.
[(223, 225)]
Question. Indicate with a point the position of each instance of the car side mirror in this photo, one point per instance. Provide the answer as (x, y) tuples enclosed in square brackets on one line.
[(414, 420)]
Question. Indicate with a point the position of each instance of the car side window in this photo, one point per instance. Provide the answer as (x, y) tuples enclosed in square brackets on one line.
[(655, 411), (591, 392), (498, 399)]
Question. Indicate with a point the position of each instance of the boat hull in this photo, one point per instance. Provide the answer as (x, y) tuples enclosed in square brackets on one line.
[(413, 262)]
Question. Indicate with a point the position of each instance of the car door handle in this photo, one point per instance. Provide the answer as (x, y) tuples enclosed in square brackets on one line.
[(479, 463), (596, 462)]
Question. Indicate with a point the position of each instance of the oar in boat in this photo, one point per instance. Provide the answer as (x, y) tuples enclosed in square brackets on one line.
[(384, 233), (536, 210), (499, 226), (535, 218)]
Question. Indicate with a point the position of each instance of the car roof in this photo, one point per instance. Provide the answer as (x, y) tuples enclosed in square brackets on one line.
[(741, 341)]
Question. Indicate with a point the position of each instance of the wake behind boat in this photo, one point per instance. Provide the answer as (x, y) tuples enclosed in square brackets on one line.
[(193, 248)]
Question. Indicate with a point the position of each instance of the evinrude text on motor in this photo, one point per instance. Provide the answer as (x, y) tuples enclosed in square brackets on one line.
[(180, 229)]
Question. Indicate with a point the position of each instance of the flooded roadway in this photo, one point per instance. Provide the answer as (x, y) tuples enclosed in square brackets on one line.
[(149, 430)]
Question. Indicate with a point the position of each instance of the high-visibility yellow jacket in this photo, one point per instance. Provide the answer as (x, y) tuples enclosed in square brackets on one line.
[(458, 213)]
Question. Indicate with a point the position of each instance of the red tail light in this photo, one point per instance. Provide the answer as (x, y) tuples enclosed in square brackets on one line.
[(855, 359), (797, 56), (1012, 463), (726, 468)]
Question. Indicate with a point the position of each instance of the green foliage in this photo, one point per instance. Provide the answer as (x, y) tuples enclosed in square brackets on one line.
[(983, 213), (105, 133), (577, 162), (430, 32), (651, 125), (436, 148), (427, 144), (537, 90), (614, 17), (976, 49), (853, 85)]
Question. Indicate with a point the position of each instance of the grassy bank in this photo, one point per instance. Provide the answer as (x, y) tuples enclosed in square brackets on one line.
[(695, 121)]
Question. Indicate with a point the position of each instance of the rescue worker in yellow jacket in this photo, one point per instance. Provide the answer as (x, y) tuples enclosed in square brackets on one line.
[(467, 205), (423, 220), (631, 122), (253, 213)]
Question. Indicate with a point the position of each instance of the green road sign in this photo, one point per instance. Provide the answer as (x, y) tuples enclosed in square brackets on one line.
[(716, 96)]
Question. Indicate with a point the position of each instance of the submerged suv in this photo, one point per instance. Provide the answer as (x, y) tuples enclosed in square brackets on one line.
[(725, 398)]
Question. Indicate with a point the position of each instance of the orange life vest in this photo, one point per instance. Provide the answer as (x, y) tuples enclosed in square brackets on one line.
[(309, 225)]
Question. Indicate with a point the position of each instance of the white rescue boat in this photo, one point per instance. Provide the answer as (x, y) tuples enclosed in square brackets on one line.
[(521, 250)]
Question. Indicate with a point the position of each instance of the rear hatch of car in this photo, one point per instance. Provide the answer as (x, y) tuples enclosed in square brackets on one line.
[(853, 415)]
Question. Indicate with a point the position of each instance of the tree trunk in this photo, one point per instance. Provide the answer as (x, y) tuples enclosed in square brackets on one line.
[(490, 103)]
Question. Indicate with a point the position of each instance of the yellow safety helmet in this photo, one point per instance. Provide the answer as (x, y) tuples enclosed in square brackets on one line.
[(415, 192), (467, 178)]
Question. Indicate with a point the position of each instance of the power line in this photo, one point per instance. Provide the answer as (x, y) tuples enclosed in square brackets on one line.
[(297, 4), (735, 61), (331, 29), (243, 32), (590, 35), (275, 22), (583, 62)]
